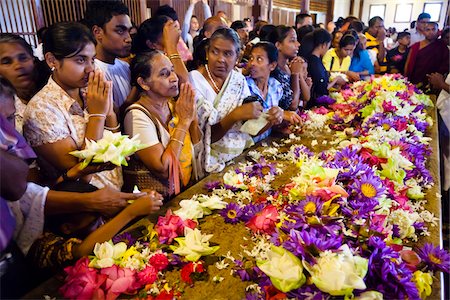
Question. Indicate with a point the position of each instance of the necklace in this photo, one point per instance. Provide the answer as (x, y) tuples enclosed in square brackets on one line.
[(212, 80)]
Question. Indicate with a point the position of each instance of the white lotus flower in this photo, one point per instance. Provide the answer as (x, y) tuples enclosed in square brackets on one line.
[(209, 203), (107, 253), (190, 209), (194, 245)]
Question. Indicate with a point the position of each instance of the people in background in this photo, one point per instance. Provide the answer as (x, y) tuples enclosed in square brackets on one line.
[(418, 32), (289, 65), (110, 24), (314, 47), (303, 19), (168, 127), (254, 35), (375, 36), (397, 57), (242, 30), (428, 56), (219, 92), (361, 62), (445, 36), (331, 27), (263, 60), (37, 52), (26, 74), (336, 37), (339, 59), (63, 114), (302, 31), (191, 25), (249, 23)]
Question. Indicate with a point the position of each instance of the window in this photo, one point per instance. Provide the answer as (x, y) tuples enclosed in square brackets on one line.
[(434, 9), (377, 10), (403, 13)]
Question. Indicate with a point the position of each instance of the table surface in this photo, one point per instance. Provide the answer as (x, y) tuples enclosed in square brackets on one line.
[(51, 286)]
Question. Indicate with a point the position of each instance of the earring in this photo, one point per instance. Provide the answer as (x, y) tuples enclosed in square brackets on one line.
[(52, 69)]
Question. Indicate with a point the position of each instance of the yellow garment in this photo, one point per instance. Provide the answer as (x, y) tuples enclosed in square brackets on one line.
[(373, 43), (332, 57), (186, 150)]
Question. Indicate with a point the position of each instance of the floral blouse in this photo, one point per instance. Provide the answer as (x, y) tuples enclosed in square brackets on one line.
[(288, 93), (52, 115)]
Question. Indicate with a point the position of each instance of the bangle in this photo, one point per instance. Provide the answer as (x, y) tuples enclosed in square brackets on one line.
[(178, 141), (67, 178), (113, 128), (97, 116), (180, 129), (174, 56)]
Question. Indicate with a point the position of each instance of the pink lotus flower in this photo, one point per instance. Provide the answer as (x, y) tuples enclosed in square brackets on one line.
[(326, 193), (171, 226), (147, 275), (159, 261), (411, 259), (388, 107), (120, 280), (321, 110), (264, 221), (82, 282)]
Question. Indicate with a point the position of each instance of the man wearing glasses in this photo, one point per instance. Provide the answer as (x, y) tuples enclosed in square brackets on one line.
[(417, 34)]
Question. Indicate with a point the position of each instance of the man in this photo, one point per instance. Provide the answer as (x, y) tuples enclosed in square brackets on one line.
[(375, 35), (242, 30), (417, 34), (303, 20), (427, 56), (110, 23)]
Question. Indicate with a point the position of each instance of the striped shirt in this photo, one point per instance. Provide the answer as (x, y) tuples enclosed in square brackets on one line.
[(119, 74), (373, 43)]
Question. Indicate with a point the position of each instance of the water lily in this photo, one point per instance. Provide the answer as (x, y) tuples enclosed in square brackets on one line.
[(284, 269), (210, 203), (235, 180), (194, 245), (190, 209), (107, 254), (338, 273)]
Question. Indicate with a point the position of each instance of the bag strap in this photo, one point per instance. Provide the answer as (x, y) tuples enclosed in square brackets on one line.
[(332, 62), (148, 114)]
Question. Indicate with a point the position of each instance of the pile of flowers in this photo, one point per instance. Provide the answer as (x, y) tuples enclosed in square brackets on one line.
[(113, 148), (344, 224)]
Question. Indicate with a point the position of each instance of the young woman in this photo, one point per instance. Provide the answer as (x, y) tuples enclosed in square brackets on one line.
[(289, 65), (339, 59), (219, 92), (314, 47), (361, 61), (63, 114), (169, 128), (263, 60), (191, 25)]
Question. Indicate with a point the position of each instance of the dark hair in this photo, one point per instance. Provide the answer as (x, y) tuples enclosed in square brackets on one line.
[(302, 31), (271, 50), (313, 40), (194, 16), (238, 25), (413, 24), (402, 34), (279, 34), (374, 20), (100, 12), (445, 31), (300, 18), (265, 31), (168, 11), (435, 24), (6, 88), (67, 39), (358, 26), (347, 39), (227, 34), (8, 38), (41, 32), (150, 30), (141, 66)]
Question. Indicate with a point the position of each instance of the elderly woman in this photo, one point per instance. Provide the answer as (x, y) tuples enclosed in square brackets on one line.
[(220, 92), (169, 128), (263, 60)]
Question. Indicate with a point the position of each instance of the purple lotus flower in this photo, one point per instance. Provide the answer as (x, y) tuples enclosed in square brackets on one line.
[(125, 237), (212, 185), (368, 187), (250, 210), (261, 169), (436, 259), (231, 213), (387, 273), (307, 292), (302, 150), (325, 100), (309, 244)]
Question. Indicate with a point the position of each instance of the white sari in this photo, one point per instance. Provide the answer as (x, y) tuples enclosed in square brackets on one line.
[(212, 108)]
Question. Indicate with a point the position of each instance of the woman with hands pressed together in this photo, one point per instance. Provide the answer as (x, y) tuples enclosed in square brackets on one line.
[(263, 60), (63, 114), (220, 91), (169, 128)]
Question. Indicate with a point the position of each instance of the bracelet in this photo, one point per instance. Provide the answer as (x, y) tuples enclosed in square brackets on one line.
[(113, 128), (181, 129), (67, 178), (178, 141), (174, 56), (97, 116)]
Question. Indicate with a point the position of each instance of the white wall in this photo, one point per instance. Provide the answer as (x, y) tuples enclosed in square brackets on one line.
[(390, 11), (341, 9)]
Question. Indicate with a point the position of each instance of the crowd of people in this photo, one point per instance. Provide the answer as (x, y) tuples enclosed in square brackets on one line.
[(188, 90)]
